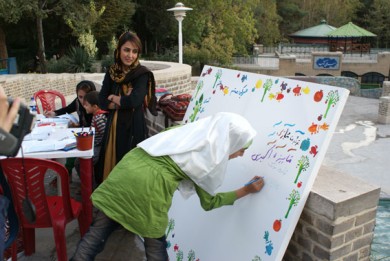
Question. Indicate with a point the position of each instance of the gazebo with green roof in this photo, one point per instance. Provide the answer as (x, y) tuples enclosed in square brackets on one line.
[(313, 35), (350, 38)]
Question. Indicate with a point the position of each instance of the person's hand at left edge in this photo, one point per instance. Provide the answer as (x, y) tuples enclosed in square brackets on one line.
[(7, 115)]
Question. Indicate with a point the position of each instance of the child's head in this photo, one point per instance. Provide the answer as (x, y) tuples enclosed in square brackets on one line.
[(91, 102), (83, 88)]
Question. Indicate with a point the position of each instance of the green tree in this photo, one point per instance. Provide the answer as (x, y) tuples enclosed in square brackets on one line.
[(37, 10), (378, 21), (116, 18), (10, 12), (81, 21), (220, 28), (298, 14), (147, 22), (40, 10), (267, 22), (362, 12), (325, 9), (291, 17)]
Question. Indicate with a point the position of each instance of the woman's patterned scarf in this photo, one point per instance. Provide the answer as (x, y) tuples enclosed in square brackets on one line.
[(123, 79)]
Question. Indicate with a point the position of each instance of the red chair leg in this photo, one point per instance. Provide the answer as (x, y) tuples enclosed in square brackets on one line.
[(29, 241), (86, 176), (14, 251), (60, 240)]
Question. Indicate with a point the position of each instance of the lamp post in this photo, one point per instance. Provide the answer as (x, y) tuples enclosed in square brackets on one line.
[(179, 11)]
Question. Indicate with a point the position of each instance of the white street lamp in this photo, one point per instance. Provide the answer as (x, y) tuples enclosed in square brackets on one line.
[(179, 11)]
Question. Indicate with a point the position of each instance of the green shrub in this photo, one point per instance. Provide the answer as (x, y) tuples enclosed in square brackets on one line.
[(78, 60), (57, 66), (169, 55), (107, 60)]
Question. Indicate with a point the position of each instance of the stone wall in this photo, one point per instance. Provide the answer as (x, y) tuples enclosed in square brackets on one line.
[(384, 110), (384, 104), (351, 84), (172, 76), (386, 88)]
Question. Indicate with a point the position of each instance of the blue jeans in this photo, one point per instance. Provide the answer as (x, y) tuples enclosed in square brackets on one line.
[(92, 243)]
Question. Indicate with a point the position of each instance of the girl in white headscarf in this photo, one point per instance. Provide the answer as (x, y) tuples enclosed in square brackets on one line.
[(138, 192)]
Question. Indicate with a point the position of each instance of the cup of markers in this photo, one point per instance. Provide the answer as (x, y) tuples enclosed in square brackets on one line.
[(84, 140)]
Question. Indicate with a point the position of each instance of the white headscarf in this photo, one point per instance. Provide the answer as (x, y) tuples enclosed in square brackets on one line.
[(202, 148)]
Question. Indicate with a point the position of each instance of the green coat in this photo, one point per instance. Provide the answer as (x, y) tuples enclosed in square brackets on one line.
[(138, 193)]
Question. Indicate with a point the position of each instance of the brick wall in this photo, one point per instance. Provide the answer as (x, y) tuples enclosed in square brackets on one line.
[(172, 76)]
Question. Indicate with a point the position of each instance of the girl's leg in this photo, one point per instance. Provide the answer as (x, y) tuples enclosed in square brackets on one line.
[(156, 249), (92, 243), (70, 164)]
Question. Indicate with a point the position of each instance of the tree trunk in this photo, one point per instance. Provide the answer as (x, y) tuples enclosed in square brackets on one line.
[(41, 45), (3, 49)]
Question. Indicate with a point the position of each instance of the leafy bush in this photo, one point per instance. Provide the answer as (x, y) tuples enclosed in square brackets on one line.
[(78, 60), (107, 61), (168, 55), (57, 66), (88, 42)]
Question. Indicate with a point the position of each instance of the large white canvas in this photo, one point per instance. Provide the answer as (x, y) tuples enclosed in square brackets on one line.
[(295, 121)]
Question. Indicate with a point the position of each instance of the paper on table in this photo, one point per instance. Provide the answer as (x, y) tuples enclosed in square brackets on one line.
[(58, 123), (48, 144), (40, 133), (69, 117)]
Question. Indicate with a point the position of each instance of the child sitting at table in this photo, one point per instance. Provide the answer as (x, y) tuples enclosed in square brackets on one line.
[(99, 120), (82, 88)]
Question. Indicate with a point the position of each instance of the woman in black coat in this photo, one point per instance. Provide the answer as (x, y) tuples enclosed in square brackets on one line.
[(126, 90)]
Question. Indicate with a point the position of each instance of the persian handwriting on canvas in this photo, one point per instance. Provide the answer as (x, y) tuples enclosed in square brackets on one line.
[(295, 121)]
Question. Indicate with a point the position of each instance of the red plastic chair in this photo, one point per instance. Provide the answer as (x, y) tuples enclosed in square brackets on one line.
[(51, 211), (46, 100)]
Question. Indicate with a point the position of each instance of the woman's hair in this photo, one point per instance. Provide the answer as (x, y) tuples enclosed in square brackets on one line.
[(127, 37), (86, 86), (92, 98)]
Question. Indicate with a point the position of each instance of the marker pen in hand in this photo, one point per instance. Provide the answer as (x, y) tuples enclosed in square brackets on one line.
[(252, 181)]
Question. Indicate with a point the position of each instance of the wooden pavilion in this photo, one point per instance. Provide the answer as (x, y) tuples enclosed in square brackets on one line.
[(350, 38), (313, 35)]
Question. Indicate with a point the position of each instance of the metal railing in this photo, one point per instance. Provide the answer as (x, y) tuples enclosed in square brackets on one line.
[(269, 56), (266, 61)]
